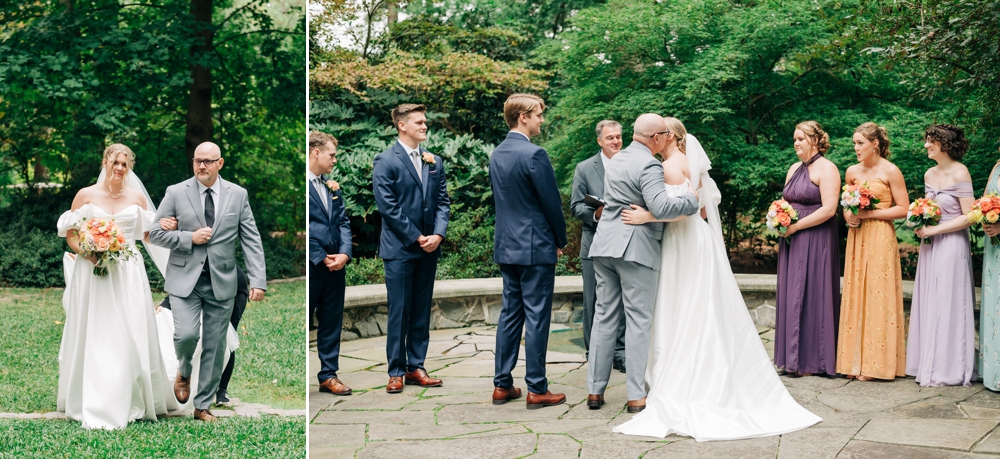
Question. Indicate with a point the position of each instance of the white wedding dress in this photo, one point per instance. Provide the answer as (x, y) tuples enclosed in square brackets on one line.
[(111, 366), (708, 374)]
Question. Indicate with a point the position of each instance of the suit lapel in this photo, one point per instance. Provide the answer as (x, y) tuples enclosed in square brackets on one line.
[(195, 198), (401, 154), (599, 166), (220, 211), (314, 195), (424, 172)]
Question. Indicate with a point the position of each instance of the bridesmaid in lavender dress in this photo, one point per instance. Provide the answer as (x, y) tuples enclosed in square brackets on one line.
[(940, 346), (808, 295)]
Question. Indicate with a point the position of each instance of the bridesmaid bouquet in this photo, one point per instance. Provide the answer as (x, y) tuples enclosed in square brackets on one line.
[(103, 239), (923, 212), (856, 198), (986, 210), (780, 215)]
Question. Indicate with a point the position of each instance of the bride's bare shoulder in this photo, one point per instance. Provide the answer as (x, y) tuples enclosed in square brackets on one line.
[(136, 197), (84, 196), (676, 170)]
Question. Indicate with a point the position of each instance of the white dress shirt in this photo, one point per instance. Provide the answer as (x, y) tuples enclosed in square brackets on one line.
[(320, 188), (415, 159)]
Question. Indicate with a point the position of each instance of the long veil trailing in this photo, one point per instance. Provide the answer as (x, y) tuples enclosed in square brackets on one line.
[(709, 195), (159, 255)]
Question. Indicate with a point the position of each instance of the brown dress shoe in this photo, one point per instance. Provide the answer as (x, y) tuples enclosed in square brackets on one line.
[(204, 415), (536, 401), (182, 388), (501, 395), (595, 401), (419, 377), (635, 406), (335, 387), (395, 385)]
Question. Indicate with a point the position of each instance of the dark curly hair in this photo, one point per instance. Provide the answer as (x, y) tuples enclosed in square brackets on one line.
[(951, 138)]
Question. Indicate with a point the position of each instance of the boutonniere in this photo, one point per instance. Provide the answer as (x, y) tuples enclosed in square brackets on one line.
[(333, 186), (428, 158)]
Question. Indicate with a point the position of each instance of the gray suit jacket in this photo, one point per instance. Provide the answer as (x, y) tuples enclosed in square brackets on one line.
[(634, 176), (234, 220), (587, 179)]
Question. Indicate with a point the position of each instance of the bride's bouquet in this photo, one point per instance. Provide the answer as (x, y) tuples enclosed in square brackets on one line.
[(923, 212), (856, 198), (986, 210), (780, 215), (103, 239)]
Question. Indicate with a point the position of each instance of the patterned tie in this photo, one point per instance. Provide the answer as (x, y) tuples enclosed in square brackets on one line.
[(209, 208)]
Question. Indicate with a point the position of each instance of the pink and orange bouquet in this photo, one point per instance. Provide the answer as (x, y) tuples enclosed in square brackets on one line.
[(780, 215), (856, 198), (103, 239), (986, 210), (923, 212)]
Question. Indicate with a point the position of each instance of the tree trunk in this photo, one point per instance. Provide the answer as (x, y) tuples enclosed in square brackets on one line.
[(393, 14), (199, 114)]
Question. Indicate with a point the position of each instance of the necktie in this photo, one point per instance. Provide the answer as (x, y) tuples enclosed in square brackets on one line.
[(209, 208), (324, 193), (415, 154)]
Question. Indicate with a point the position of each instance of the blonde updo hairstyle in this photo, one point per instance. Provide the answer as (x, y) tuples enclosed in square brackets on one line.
[(814, 131), (680, 132), (874, 132), (115, 149)]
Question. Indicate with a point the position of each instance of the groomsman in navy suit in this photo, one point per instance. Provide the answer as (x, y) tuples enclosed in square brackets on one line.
[(530, 234), (412, 197), (329, 253)]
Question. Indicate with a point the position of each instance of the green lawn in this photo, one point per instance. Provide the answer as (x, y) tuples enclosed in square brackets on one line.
[(270, 364), (269, 436)]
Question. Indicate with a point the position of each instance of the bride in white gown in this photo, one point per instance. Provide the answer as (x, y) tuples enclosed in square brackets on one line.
[(708, 374), (116, 359)]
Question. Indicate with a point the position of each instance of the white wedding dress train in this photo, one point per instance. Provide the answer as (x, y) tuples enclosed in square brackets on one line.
[(708, 374)]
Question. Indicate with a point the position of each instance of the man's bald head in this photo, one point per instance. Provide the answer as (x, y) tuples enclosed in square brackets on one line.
[(207, 162), (645, 131)]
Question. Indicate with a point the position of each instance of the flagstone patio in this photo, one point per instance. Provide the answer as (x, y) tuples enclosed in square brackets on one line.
[(457, 420)]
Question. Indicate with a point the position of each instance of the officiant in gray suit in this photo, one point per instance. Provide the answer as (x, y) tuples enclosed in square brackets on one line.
[(211, 215), (627, 258), (588, 179)]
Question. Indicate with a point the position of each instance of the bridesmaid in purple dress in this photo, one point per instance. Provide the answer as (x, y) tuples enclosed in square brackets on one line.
[(940, 348), (808, 295)]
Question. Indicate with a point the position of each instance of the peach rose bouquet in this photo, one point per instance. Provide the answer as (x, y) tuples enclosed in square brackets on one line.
[(106, 242), (923, 212), (986, 210), (856, 198), (780, 215)]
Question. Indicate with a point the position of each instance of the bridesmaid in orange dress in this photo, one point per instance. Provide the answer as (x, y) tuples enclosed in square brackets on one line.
[(871, 344)]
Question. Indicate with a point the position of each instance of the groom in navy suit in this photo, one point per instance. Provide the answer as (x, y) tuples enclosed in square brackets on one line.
[(412, 198), (530, 234), (329, 253)]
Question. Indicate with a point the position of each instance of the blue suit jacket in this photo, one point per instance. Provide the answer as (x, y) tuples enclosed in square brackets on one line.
[(529, 224), (329, 231), (408, 207)]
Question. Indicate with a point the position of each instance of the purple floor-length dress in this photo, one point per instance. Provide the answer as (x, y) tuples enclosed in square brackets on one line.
[(940, 349), (808, 296)]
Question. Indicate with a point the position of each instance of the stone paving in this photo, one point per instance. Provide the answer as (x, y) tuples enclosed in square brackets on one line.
[(886, 419)]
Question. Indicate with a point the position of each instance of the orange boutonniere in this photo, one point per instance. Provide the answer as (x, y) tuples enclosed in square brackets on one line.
[(333, 186), (428, 158)]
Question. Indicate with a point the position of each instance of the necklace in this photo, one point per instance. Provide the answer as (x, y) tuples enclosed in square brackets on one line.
[(107, 189)]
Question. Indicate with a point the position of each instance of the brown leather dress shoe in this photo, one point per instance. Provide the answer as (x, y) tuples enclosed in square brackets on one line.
[(536, 401), (182, 388), (501, 395), (595, 401), (335, 387), (204, 415), (419, 377), (395, 385), (635, 406)]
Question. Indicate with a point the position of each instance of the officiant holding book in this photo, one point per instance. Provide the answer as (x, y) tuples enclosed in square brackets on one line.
[(588, 192)]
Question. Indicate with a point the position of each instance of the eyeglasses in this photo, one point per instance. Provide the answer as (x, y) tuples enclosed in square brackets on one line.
[(205, 162), (660, 133)]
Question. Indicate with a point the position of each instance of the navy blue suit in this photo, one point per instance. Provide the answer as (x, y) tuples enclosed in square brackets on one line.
[(529, 228), (329, 233), (411, 206)]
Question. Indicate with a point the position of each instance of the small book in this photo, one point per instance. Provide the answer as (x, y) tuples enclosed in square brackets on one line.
[(592, 201)]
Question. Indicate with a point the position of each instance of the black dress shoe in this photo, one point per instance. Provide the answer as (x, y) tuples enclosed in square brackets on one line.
[(619, 364), (221, 397)]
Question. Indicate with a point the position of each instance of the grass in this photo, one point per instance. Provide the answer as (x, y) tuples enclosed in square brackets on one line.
[(269, 436), (270, 364)]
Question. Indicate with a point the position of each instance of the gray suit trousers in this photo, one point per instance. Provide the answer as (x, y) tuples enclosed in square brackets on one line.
[(188, 323), (628, 288), (589, 303)]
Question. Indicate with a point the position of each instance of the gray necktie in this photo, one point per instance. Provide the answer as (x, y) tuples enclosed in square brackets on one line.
[(415, 154), (323, 193)]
